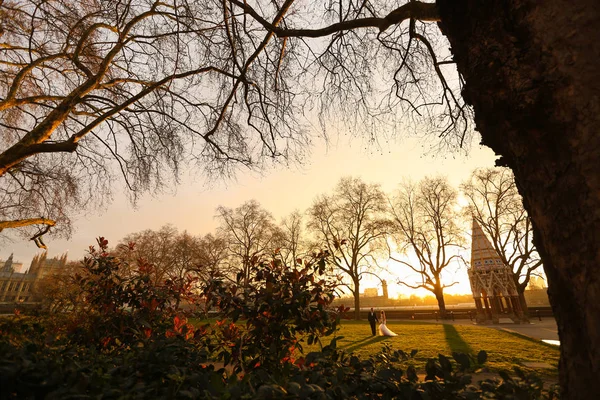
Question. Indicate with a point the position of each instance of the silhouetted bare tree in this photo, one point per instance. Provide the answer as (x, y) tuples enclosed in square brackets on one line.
[(424, 219), (93, 88), (155, 247), (212, 257), (351, 225), (249, 232), (291, 239), (173, 254)]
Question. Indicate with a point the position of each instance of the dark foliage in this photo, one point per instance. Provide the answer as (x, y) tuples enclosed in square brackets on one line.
[(280, 308), (133, 342)]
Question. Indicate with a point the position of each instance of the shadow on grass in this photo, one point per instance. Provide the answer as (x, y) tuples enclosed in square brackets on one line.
[(362, 343), (455, 341)]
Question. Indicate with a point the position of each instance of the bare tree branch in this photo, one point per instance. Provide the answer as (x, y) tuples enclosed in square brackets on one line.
[(424, 223), (352, 226), (26, 222), (413, 10)]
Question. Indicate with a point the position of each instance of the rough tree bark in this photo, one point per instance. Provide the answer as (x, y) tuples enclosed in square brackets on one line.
[(532, 76), (521, 287), (439, 296), (356, 293), (523, 303)]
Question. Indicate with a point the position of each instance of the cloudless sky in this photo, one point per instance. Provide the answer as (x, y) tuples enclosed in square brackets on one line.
[(191, 206)]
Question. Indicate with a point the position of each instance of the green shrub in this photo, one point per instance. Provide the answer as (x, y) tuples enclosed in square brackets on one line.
[(154, 354), (120, 308), (265, 322)]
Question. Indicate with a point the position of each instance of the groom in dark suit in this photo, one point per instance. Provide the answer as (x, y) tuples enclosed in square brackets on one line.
[(372, 320)]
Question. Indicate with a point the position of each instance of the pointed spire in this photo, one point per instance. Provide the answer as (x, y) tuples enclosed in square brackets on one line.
[(483, 254), (8, 265), (35, 264)]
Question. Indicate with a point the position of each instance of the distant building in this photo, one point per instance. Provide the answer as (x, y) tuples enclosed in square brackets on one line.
[(535, 283), (537, 297), (16, 286), (373, 292), (384, 288)]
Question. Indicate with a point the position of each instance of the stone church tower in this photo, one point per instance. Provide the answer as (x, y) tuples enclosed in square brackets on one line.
[(492, 284), (18, 287)]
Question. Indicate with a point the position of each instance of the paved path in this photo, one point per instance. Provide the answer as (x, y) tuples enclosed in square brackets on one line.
[(545, 329)]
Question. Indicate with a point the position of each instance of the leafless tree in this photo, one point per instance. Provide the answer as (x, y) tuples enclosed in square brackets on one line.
[(185, 254), (44, 197), (424, 217), (495, 203), (137, 87), (249, 232), (351, 225), (173, 254), (58, 292), (154, 247), (291, 240), (212, 257)]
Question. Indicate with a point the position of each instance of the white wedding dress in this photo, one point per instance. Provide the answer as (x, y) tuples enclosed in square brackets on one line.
[(385, 331)]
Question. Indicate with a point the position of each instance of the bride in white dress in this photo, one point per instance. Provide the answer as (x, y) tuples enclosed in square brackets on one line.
[(383, 329)]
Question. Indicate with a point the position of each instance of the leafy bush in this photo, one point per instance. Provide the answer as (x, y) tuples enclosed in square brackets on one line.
[(117, 308), (128, 339), (279, 308)]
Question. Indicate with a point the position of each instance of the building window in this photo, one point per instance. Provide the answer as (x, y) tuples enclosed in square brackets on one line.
[(10, 287)]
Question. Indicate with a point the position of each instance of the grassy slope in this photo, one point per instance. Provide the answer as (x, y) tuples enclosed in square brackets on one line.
[(504, 349)]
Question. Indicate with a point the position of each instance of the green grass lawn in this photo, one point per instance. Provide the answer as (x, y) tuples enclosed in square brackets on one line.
[(504, 349)]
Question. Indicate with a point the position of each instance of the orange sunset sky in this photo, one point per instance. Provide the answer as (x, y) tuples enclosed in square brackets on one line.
[(191, 205)]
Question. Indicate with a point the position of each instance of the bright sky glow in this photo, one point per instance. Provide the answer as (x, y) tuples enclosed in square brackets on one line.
[(280, 191)]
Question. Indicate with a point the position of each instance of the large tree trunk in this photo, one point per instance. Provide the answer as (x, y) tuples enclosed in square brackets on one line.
[(532, 75), (356, 294), (522, 301), (439, 296), (523, 304)]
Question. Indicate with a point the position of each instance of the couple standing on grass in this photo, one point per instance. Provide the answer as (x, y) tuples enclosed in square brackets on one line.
[(383, 329)]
